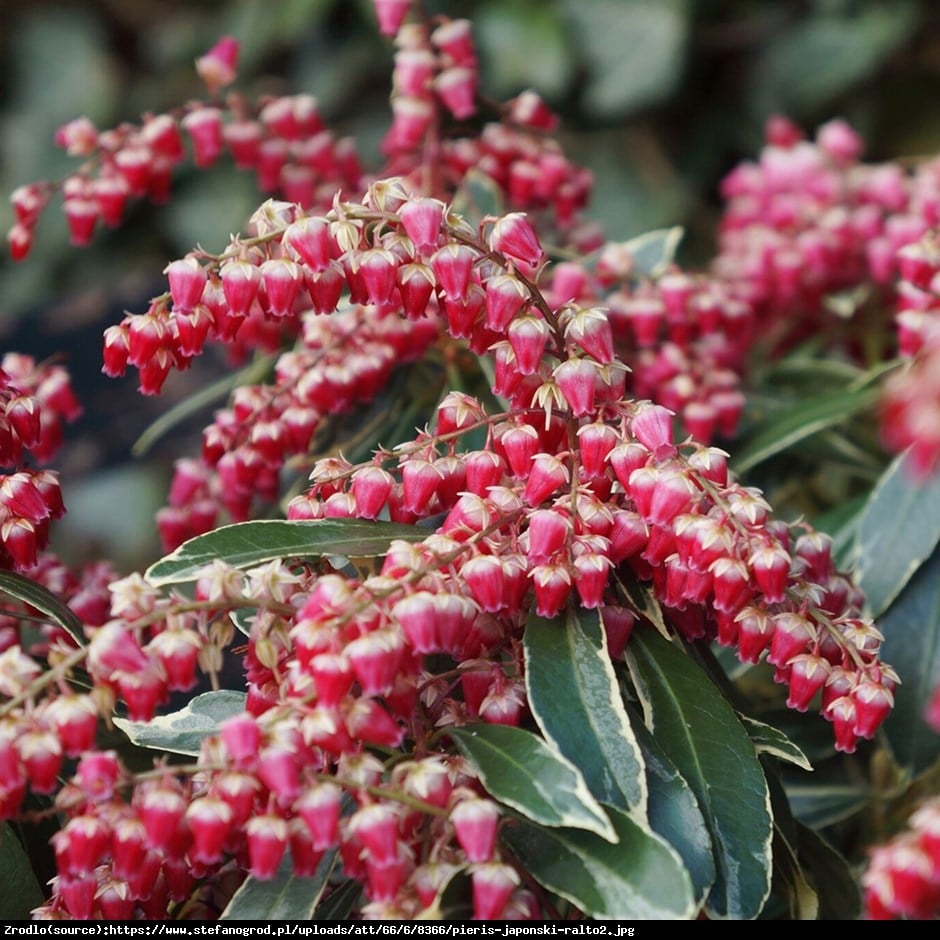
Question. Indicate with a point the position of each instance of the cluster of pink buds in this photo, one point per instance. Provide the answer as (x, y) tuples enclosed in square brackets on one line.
[(685, 336), (808, 220), (409, 833), (127, 162), (903, 875), (324, 680), (432, 70), (530, 522), (530, 169), (577, 493), (35, 400), (436, 70), (141, 647), (400, 266), (282, 140), (577, 481), (285, 143), (911, 402)]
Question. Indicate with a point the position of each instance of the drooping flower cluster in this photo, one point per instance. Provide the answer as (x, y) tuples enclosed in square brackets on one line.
[(283, 141), (808, 219), (36, 400), (576, 493), (911, 404), (271, 781)]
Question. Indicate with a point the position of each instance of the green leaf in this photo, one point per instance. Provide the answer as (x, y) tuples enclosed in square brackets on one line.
[(639, 877), (789, 884), (805, 419), (897, 531), (700, 733), (805, 368), (911, 626), (242, 619), (675, 815), (576, 701), (653, 252), (21, 892), (182, 732), (772, 741), (29, 592), (812, 736), (802, 900), (252, 543), (340, 902), (843, 49), (284, 897), (477, 197), (836, 886), (634, 52), (502, 29), (824, 804), (521, 770), (643, 601), (454, 899), (841, 522), (634, 201), (200, 400)]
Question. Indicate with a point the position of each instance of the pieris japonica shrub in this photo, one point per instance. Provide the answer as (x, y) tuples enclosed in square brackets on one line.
[(476, 604)]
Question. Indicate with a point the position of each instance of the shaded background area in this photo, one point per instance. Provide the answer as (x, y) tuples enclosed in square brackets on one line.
[(659, 98)]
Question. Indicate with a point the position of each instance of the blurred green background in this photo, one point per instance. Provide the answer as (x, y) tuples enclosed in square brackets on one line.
[(659, 98)]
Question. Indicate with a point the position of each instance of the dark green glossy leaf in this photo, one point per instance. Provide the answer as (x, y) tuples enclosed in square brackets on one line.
[(21, 892), (812, 736), (897, 531), (642, 600), (182, 731), (790, 882), (789, 887), (639, 877), (836, 885), (521, 770), (454, 899), (575, 698), (911, 626), (824, 804), (634, 52), (700, 733), (674, 813), (29, 592), (284, 897), (339, 904), (806, 418), (252, 543), (772, 741)]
